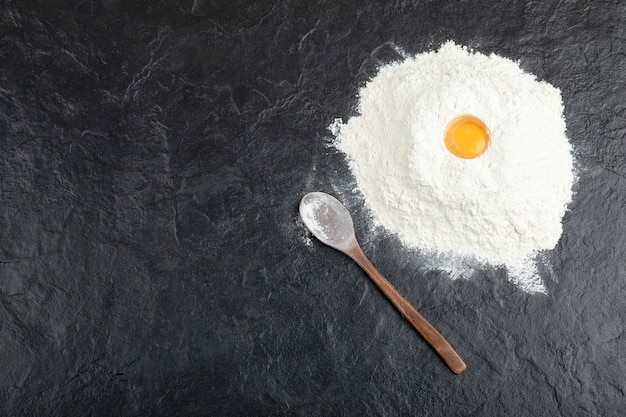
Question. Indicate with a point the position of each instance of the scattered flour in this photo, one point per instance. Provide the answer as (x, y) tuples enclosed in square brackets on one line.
[(500, 208)]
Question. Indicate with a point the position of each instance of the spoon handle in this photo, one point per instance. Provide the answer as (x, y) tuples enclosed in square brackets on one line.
[(428, 332)]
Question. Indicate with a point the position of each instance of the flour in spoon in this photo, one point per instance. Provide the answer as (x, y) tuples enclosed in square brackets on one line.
[(310, 215), (501, 208)]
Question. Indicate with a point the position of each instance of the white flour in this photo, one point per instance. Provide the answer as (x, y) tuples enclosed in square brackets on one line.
[(310, 214), (500, 208)]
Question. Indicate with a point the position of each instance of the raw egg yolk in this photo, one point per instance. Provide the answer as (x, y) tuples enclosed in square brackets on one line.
[(466, 137)]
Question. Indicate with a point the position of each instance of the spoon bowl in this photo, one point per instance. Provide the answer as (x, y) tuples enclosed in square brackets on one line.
[(331, 223), (328, 220)]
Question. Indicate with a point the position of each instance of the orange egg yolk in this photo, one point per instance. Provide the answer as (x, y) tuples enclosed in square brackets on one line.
[(466, 137)]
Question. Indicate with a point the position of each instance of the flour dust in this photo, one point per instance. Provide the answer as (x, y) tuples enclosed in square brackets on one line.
[(503, 208)]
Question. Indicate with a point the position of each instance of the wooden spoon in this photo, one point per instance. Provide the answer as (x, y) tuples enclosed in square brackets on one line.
[(330, 222)]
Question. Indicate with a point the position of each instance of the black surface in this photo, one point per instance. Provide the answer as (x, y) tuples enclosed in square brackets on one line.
[(152, 155)]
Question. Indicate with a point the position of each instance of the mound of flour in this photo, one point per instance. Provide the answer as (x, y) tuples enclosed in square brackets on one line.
[(501, 208)]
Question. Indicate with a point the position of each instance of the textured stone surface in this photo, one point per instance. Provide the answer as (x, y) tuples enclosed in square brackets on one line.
[(152, 156)]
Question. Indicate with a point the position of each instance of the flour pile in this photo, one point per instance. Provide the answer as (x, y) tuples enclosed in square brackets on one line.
[(500, 208)]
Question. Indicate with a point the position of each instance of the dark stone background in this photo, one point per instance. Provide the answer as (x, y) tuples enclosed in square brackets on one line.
[(152, 156)]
